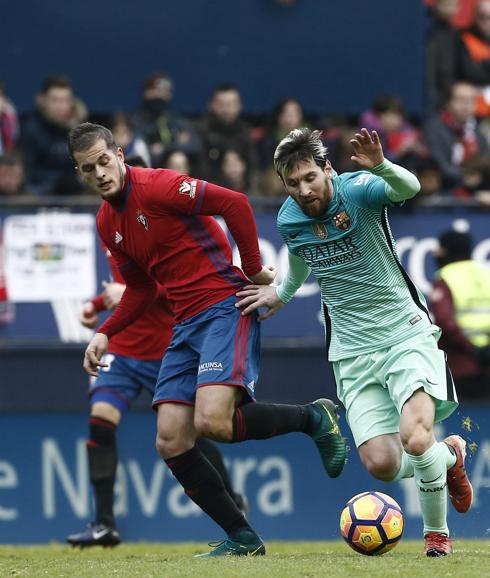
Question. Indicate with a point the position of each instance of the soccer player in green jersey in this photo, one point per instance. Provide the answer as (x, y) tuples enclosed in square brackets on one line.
[(391, 377)]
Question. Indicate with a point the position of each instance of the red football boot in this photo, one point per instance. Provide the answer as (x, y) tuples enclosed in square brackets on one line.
[(437, 545), (459, 486)]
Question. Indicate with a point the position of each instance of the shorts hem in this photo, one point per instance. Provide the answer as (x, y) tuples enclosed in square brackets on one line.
[(250, 397), (108, 395), (366, 438), (161, 401)]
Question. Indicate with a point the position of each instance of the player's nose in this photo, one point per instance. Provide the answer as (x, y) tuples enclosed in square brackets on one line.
[(304, 189), (99, 172)]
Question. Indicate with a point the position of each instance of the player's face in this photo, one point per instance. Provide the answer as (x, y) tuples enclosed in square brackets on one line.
[(310, 186), (102, 169)]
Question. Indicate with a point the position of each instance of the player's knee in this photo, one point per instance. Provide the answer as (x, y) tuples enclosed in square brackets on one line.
[(169, 445), (213, 426), (381, 467), (106, 411)]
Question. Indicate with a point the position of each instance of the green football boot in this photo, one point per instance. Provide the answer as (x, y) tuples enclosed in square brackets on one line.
[(327, 436), (244, 543)]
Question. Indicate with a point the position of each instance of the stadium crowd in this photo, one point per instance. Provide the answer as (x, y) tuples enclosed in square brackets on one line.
[(448, 148)]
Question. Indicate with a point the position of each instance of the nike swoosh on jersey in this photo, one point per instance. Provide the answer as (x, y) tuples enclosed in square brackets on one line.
[(430, 481)]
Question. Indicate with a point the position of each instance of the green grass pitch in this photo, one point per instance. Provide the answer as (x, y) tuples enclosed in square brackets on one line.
[(471, 559)]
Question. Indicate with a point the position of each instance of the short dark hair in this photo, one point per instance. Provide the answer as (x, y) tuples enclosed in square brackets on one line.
[(58, 81), (225, 87), (301, 144), (85, 135), (457, 245)]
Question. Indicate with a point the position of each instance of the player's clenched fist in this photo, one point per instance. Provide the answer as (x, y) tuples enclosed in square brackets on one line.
[(94, 352)]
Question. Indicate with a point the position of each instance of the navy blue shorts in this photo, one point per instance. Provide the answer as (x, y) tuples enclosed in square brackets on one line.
[(218, 346), (121, 382)]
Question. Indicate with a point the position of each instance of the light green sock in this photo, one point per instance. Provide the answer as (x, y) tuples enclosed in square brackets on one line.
[(406, 468), (430, 476)]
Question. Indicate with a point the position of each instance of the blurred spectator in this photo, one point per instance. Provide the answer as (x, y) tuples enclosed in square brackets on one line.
[(7, 308), (461, 307), (430, 178), (476, 55), (9, 125), (453, 136), (48, 164), (128, 139), (401, 142), (162, 128), (463, 17), (12, 174), (287, 116), (135, 161), (234, 171), (222, 128), (444, 53), (177, 161)]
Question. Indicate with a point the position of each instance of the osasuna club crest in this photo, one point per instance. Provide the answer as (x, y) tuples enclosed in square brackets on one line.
[(342, 221), (319, 230), (141, 218)]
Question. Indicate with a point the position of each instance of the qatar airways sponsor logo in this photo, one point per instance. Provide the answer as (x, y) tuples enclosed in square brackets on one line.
[(210, 366)]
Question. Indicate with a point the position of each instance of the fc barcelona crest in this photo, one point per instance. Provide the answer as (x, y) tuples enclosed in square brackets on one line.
[(342, 221), (141, 218), (319, 230)]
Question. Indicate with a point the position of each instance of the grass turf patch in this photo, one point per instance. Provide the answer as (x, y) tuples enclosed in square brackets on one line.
[(283, 560)]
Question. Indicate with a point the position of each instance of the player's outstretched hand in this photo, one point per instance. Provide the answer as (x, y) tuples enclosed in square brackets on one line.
[(113, 293), (368, 152), (93, 354), (88, 315), (254, 296), (265, 276)]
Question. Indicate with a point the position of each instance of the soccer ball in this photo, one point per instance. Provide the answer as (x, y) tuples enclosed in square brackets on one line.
[(372, 523)]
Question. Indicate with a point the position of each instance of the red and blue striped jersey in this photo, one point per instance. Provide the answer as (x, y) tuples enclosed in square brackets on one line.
[(161, 228)]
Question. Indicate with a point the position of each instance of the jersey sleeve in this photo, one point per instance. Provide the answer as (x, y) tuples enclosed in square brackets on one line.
[(174, 193), (140, 288), (367, 190), (237, 212), (386, 184), (296, 275), (180, 194)]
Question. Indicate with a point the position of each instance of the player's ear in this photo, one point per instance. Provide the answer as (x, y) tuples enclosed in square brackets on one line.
[(120, 154), (328, 169)]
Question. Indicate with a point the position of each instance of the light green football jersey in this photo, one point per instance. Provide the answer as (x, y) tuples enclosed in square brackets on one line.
[(369, 302)]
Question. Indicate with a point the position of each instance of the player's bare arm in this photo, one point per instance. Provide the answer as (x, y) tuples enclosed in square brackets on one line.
[(368, 152), (94, 352), (254, 296)]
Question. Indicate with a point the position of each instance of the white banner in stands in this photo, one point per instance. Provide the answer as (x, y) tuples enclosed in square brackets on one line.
[(50, 256)]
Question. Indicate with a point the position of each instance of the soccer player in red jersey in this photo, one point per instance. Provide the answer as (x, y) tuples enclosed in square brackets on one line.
[(133, 362), (160, 228)]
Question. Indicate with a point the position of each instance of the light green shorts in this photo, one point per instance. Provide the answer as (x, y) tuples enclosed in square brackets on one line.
[(374, 386)]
